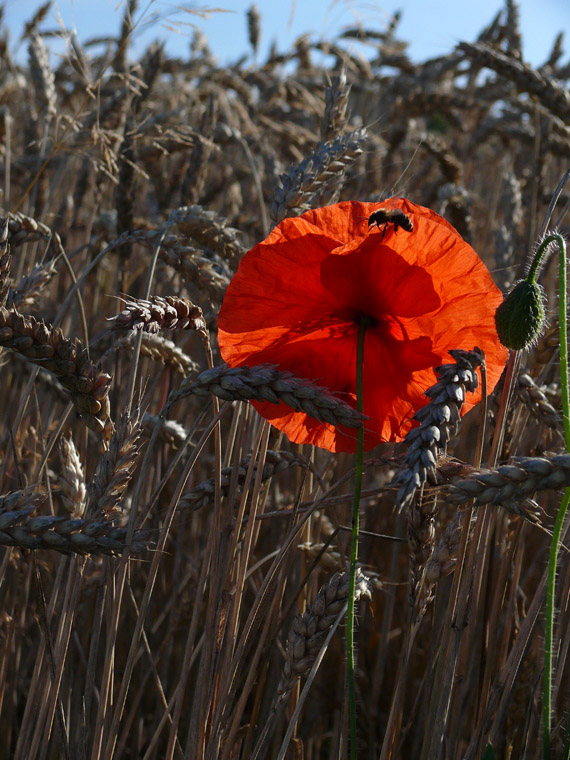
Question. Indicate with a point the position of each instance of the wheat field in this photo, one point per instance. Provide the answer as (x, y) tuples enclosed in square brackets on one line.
[(172, 569)]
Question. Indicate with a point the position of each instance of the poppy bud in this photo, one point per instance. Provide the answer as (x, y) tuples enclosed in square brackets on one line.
[(519, 319)]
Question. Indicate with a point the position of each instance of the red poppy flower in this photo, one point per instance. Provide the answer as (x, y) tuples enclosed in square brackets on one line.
[(298, 298)]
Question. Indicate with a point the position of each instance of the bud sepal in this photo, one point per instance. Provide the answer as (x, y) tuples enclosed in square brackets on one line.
[(521, 316)]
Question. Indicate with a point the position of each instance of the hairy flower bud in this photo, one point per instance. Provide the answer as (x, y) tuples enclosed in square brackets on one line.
[(520, 318)]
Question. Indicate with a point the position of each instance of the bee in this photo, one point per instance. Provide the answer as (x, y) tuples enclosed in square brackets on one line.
[(385, 216)]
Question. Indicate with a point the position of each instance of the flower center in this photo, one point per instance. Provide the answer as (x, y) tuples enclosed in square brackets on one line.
[(365, 320)]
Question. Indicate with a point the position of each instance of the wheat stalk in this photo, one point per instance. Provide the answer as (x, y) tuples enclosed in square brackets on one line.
[(42, 75), (19, 527), (548, 92), (211, 230), (325, 168), (537, 403), (267, 383), (47, 347), (26, 293), (254, 27), (439, 422), (187, 260), (24, 229), (5, 262), (309, 630), (169, 431), (336, 113), (156, 347), (114, 470), (72, 478), (512, 485), (159, 313), (203, 494)]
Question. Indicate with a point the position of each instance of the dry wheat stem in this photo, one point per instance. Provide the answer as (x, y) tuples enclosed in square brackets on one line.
[(65, 620), (156, 347), (149, 587), (51, 658), (203, 494), (308, 639), (245, 643), (5, 262), (259, 449)]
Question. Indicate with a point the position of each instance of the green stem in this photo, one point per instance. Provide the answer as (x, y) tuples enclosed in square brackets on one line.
[(541, 251), (556, 533), (364, 322)]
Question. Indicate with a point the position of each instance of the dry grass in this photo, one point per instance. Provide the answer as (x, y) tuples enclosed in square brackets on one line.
[(158, 550)]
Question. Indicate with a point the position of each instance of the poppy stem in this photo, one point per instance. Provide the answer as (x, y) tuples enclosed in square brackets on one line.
[(543, 251), (557, 531), (364, 323)]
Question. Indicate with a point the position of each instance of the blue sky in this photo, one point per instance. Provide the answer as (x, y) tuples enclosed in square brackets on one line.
[(431, 26)]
